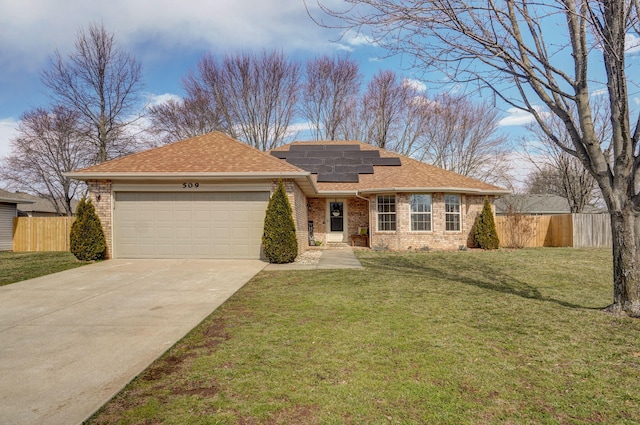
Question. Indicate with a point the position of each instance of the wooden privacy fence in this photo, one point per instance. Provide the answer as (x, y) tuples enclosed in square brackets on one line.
[(41, 233), (575, 230)]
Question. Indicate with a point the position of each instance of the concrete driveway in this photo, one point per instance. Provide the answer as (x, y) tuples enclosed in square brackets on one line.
[(71, 340)]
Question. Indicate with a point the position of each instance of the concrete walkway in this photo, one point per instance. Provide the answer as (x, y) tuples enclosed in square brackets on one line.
[(341, 258), (71, 340)]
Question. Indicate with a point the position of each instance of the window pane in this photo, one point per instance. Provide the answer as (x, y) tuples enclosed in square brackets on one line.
[(452, 209), (421, 222), (386, 212), (452, 203), (420, 212), (420, 203), (453, 222)]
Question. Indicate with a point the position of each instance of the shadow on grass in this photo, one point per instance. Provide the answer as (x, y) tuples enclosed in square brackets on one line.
[(485, 276)]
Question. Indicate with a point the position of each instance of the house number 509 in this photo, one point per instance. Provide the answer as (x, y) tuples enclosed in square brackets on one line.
[(190, 185)]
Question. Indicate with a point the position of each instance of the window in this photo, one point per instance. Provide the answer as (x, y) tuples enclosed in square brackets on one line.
[(420, 213), (452, 212), (386, 212)]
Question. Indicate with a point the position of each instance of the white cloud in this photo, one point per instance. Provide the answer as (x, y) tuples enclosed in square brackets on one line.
[(353, 38), (415, 84), (631, 44), (517, 116), (7, 132), (157, 99), (31, 30), (599, 92)]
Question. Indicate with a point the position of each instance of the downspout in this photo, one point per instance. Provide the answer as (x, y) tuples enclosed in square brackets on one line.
[(369, 215)]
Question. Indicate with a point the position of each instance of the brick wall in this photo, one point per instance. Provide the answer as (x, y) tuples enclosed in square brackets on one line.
[(358, 209), (438, 238), (318, 216), (100, 195)]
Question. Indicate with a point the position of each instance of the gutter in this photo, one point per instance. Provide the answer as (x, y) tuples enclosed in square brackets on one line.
[(436, 190), (170, 176)]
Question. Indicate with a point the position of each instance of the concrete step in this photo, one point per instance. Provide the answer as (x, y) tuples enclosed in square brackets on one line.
[(338, 245)]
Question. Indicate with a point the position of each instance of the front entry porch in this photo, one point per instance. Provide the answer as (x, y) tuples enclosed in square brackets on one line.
[(338, 221)]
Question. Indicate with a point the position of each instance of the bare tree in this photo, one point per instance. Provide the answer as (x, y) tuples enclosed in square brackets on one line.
[(462, 136), (180, 119), (102, 83), (558, 172), (48, 144), (501, 46), (518, 228), (256, 95), (567, 178), (331, 85), (385, 105)]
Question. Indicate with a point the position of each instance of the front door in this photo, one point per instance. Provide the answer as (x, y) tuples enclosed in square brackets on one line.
[(337, 221)]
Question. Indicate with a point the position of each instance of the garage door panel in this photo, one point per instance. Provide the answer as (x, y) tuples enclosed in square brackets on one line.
[(189, 225)]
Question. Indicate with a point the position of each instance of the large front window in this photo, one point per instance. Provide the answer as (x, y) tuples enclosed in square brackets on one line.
[(452, 212), (386, 212), (420, 213)]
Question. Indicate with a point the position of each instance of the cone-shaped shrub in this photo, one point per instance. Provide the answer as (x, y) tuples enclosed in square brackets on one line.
[(484, 230), (87, 238), (279, 241)]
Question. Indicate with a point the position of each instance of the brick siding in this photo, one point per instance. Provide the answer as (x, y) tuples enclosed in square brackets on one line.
[(438, 238), (100, 195)]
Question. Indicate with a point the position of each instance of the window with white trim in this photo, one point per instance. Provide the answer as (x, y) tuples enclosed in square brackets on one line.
[(420, 213), (452, 213), (386, 212)]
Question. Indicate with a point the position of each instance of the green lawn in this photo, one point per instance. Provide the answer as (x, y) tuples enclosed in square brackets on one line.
[(507, 337), (17, 266)]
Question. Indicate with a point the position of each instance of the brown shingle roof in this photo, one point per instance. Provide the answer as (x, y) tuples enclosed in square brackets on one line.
[(210, 153), (216, 154), (412, 174)]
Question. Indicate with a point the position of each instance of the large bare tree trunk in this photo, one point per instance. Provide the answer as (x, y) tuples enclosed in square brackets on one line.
[(625, 225)]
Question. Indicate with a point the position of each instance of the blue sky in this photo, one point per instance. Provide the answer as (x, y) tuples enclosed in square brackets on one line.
[(168, 38)]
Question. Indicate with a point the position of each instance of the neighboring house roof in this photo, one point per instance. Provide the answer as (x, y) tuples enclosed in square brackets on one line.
[(218, 156), (13, 198), (411, 175), (35, 204), (543, 204)]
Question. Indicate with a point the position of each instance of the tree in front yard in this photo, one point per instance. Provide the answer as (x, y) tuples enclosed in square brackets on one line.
[(484, 231), (279, 239), (87, 238)]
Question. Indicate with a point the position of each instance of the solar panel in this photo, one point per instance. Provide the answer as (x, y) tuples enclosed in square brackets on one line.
[(335, 163)]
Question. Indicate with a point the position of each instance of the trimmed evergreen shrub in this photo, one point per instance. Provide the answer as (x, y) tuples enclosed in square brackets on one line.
[(484, 231), (87, 238), (279, 241)]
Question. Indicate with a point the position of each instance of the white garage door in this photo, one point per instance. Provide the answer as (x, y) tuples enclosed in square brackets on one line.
[(189, 224)]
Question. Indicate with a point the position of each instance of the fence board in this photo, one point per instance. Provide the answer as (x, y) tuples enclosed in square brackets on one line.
[(41, 233), (591, 231), (528, 231), (576, 230)]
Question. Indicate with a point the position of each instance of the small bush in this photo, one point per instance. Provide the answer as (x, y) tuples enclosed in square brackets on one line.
[(87, 238), (279, 241), (485, 233)]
